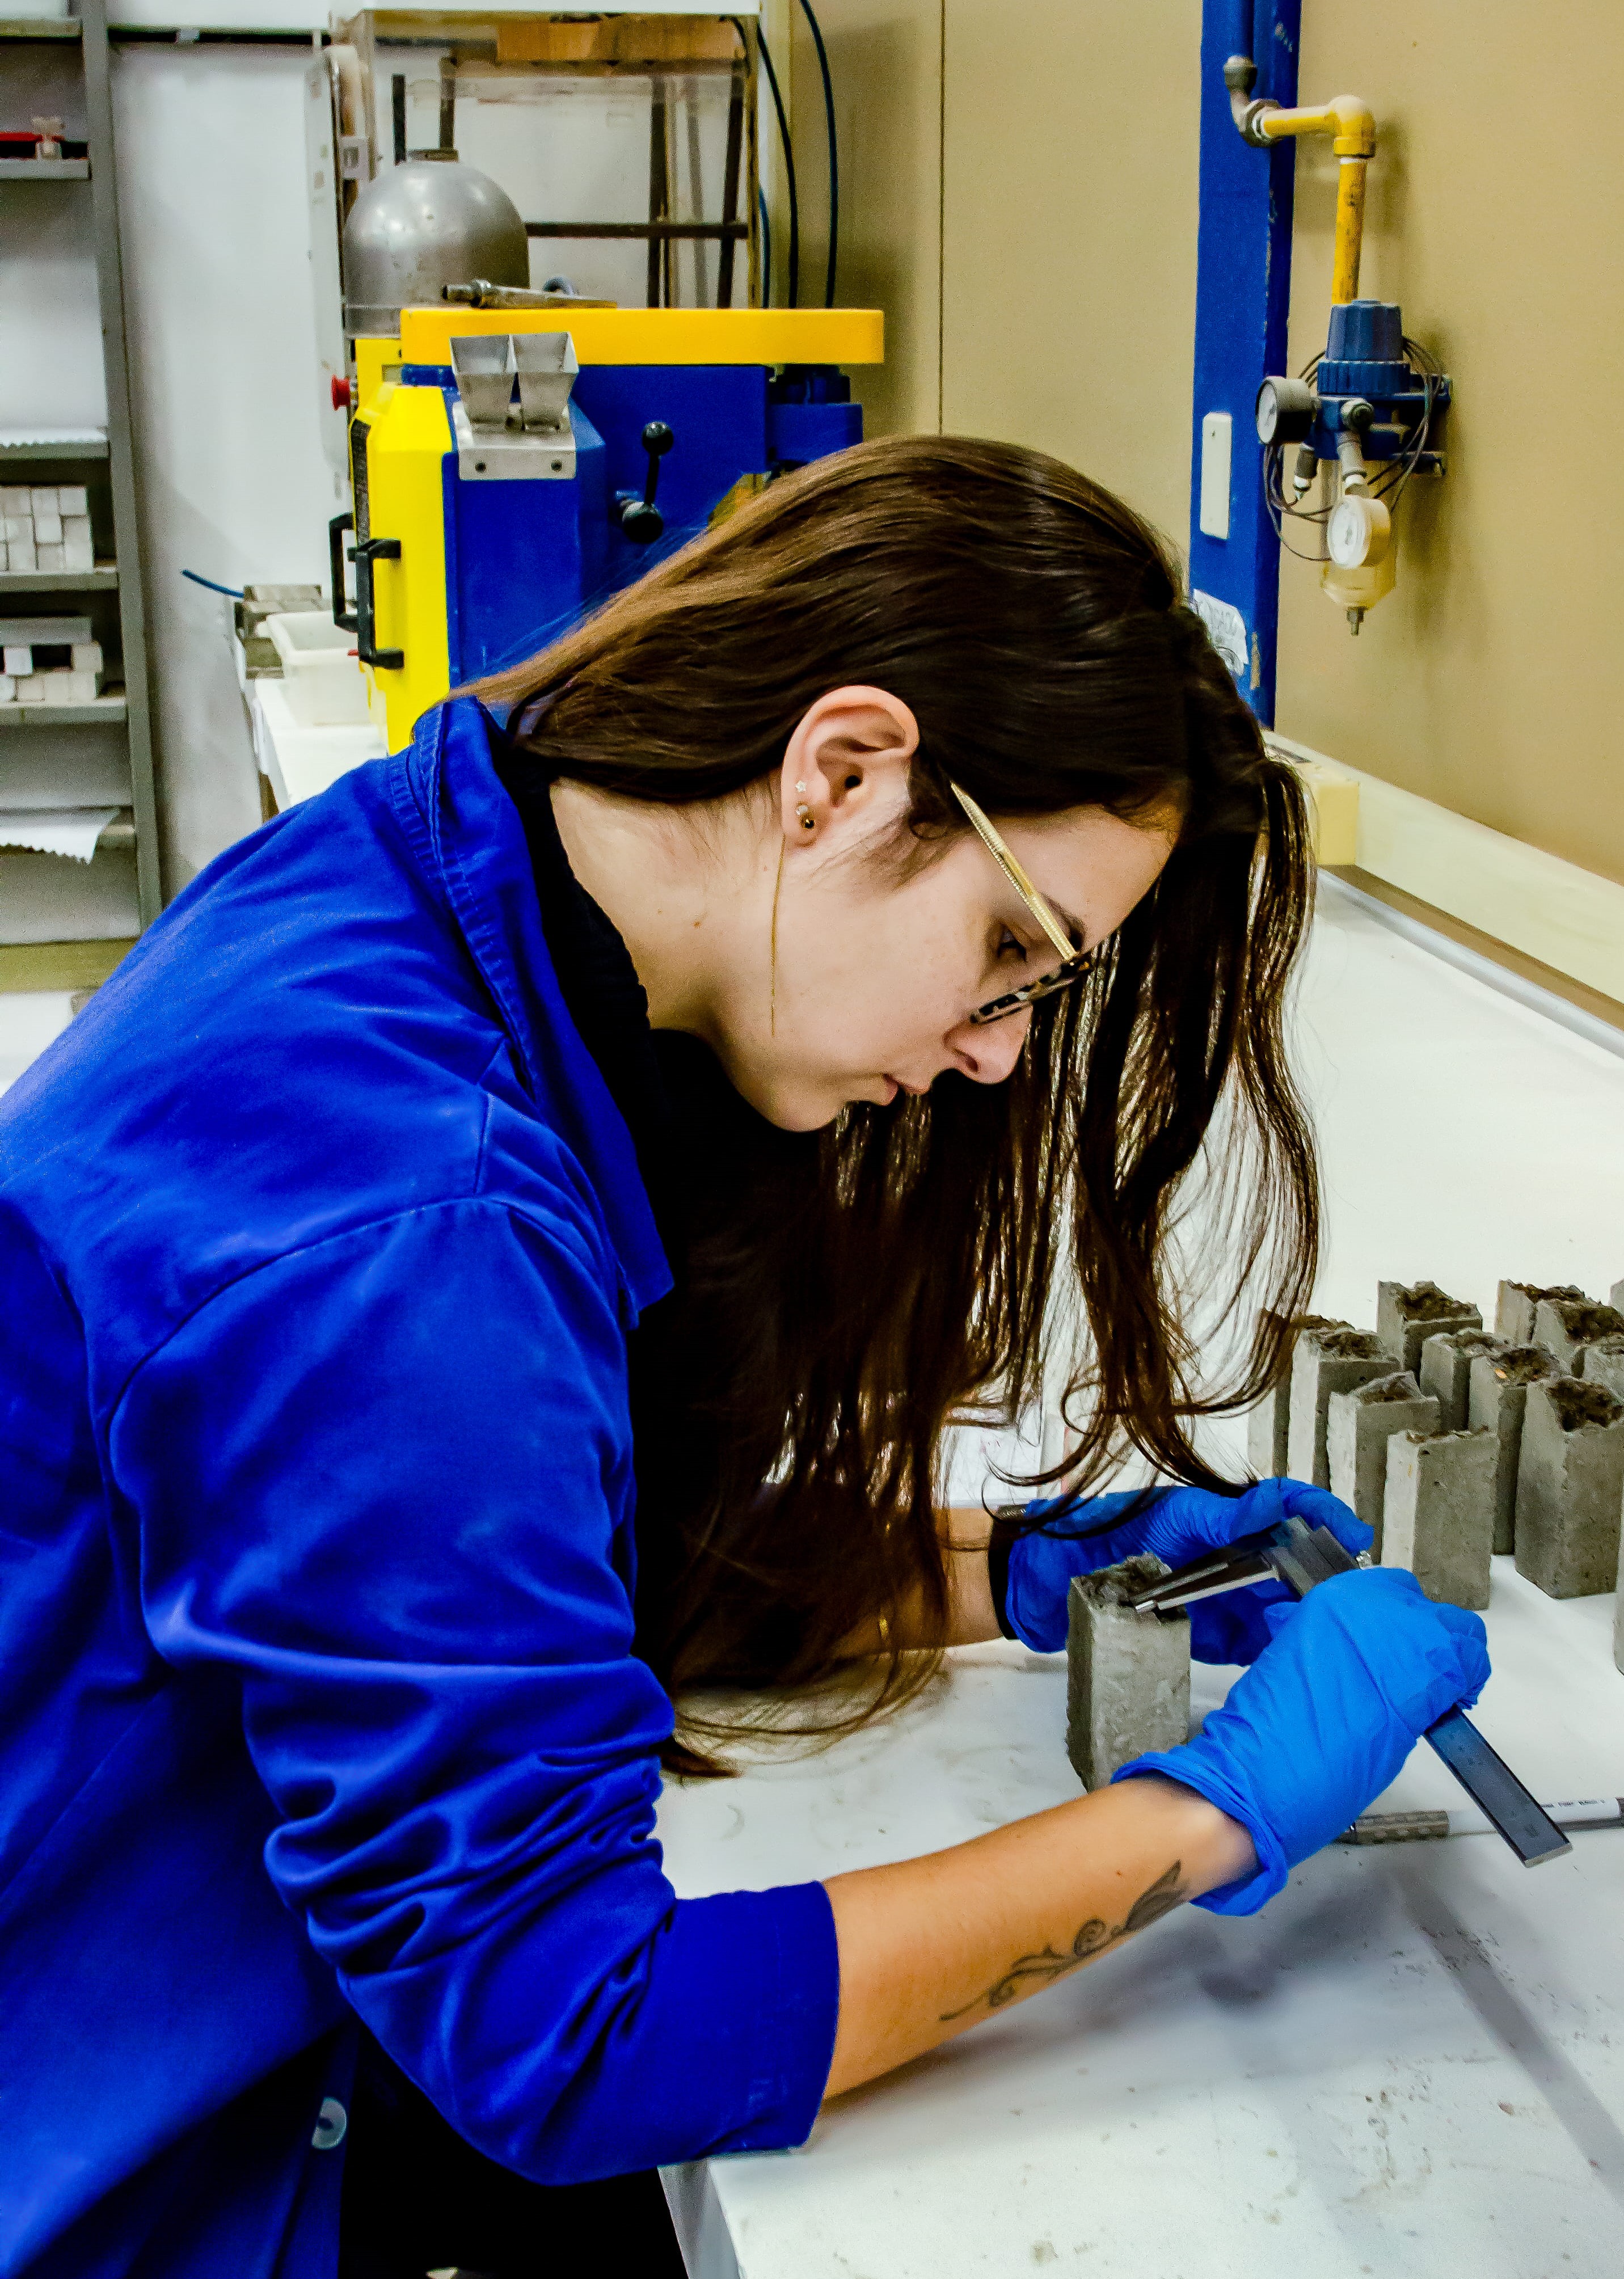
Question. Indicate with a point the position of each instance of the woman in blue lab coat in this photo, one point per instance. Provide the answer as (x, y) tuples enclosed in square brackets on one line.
[(501, 1251)]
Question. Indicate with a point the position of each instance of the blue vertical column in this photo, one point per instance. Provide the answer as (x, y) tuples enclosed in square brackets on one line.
[(1243, 295)]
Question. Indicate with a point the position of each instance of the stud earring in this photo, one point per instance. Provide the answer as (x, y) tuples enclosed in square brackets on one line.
[(800, 786), (808, 821)]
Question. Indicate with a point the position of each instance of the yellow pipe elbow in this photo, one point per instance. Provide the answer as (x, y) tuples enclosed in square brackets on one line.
[(1350, 123), (1355, 128)]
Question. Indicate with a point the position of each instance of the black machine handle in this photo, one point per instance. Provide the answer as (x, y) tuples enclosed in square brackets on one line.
[(341, 616), (363, 620), (639, 518), (364, 555)]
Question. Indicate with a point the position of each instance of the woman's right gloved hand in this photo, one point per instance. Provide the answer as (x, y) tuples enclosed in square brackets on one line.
[(1321, 1724)]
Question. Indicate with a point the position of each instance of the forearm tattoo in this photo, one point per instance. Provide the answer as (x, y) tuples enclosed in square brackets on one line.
[(1027, 1972)]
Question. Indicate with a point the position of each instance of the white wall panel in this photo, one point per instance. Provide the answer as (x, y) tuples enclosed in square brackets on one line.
[(232, 478)]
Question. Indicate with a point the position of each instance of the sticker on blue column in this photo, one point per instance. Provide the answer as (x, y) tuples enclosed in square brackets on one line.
[(1228, 628)]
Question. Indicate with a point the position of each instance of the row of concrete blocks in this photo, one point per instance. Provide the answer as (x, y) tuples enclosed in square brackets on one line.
[(1449, 1442), (1452, 1443)]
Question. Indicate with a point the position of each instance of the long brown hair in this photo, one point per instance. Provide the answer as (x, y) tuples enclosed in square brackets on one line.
[(849, 1292)]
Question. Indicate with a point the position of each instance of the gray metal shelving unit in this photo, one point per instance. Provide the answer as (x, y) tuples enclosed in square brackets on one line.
[(105, 467)]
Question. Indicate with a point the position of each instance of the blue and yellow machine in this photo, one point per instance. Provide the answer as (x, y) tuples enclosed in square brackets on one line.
[(513, 467)]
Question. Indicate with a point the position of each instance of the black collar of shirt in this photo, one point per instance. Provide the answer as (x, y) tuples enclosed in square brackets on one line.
[(685, 1118)]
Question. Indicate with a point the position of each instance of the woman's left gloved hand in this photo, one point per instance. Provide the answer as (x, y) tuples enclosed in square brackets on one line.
[(1175, 1526)]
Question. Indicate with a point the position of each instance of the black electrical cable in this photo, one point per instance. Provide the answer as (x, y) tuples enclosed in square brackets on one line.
[(834, 154), (760, 200), (1273, 501), (792, 280)]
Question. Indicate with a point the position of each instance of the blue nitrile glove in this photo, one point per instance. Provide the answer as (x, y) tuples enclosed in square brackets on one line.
[(1176, 1527), (1317, 1729)]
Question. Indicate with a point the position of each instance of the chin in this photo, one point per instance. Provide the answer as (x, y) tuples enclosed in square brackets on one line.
[(792, 1099), (793, 1106), (794, 1110)]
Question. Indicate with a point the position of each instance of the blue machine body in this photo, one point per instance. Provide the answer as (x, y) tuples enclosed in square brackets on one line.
[(522, 557), (1243, 298), (810, 414), (1365, 361), (527, 559), (717, 414)]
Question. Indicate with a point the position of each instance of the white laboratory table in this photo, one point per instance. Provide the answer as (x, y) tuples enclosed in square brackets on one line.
[(1412, 2063)]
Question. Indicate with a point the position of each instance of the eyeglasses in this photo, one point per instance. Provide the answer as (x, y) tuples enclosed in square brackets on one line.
[(1074, 962)]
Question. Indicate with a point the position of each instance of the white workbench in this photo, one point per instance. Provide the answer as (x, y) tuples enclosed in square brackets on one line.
[(1412, 2063)]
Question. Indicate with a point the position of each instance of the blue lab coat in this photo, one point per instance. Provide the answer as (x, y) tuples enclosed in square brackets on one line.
[(320, 1240)]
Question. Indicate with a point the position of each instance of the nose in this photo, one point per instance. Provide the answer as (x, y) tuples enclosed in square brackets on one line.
[(988, 1054)]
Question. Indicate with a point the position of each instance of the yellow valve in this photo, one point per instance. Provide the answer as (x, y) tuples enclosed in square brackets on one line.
[(1359, 538), (1355, 591)]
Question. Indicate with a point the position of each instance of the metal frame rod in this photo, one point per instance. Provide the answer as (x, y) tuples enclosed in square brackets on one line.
[(121, 458), (658, 233)]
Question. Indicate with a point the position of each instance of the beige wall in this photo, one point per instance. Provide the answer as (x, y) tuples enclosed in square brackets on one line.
[(886, 63), (1069, 278), (1004, 214), (1485, 681), (1056, 304)]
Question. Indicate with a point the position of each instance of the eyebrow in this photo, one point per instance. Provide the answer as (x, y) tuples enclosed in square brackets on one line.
[(1073, 926), (1025, 886)]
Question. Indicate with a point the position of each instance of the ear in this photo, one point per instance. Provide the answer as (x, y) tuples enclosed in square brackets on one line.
[(847, 766)]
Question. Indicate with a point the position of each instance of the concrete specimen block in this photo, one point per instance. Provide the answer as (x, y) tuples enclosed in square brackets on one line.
[(1498, 1397), (1268, 1424), (1327, 1361), (1514, 1305), (1359, 1425), (1407, 1312), (1440, 1512), (1567, 1324), (1603, 1363), (1570, 1487), (1127, 1674), (1446, 1370)]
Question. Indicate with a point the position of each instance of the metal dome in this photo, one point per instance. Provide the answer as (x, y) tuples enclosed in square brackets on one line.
[(422, 225)]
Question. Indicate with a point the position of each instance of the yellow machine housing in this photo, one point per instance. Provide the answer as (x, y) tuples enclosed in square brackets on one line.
[(478, 539)]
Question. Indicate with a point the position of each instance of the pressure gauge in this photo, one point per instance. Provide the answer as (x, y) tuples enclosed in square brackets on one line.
[(1358, 533), (1286, 411)]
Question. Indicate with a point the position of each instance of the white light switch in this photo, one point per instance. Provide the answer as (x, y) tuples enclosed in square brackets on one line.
[(1215, 434)]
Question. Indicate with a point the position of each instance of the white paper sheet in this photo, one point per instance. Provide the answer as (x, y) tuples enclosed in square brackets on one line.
[(72, 831)]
